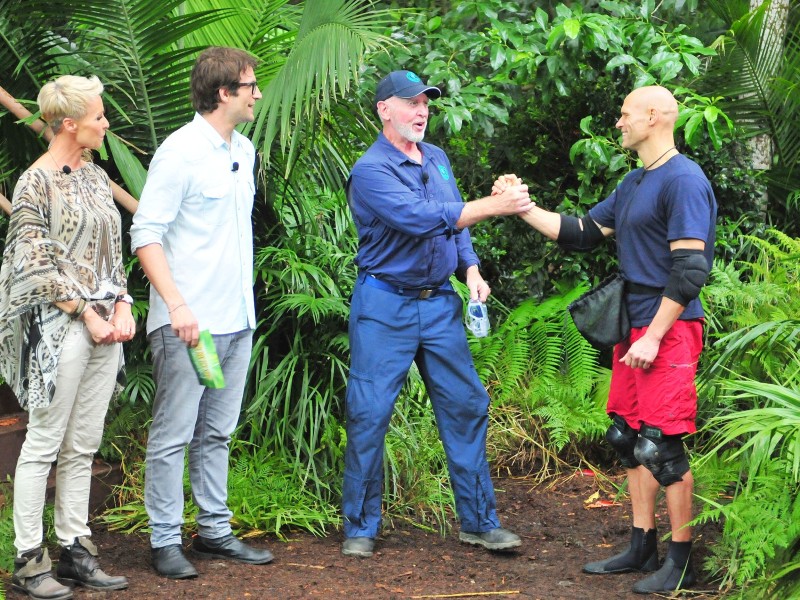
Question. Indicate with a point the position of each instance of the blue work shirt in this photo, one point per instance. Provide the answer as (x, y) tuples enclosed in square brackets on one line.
[(406, 215), (198, 208)]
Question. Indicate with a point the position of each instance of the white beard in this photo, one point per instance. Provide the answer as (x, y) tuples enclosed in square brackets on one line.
[(408, 132)]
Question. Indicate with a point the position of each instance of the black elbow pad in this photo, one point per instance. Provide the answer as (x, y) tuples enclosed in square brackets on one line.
[(572, 237), (688, 275)]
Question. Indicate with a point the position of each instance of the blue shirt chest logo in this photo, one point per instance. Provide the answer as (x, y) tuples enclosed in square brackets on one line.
[(444, 173)]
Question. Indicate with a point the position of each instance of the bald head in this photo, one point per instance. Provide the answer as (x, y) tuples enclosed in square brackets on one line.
[(655, 97), (647, 121)]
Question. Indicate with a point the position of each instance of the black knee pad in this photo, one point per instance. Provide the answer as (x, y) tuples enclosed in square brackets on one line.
[(622, 438), (663, 455)]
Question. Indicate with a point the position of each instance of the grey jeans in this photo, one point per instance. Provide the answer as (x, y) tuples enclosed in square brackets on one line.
[(186, 413)]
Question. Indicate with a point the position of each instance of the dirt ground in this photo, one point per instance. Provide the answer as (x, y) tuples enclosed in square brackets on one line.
[(561, 523)]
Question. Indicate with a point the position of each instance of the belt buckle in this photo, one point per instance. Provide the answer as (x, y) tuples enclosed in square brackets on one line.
[(425, 294)]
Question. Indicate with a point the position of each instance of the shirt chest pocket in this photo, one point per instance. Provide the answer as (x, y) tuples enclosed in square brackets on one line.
[(439, 190), (217, 205)]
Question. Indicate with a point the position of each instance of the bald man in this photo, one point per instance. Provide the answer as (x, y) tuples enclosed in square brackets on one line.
[(663, 217)]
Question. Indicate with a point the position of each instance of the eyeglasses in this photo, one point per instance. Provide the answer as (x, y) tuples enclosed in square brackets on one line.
[(253, 85)]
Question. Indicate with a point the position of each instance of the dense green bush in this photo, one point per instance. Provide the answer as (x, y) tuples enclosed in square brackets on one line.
[(535, 89), (530, 87), (750, 403)]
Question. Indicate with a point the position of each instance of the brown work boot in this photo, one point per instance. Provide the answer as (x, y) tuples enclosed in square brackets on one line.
[(32, 576), (79, 564)]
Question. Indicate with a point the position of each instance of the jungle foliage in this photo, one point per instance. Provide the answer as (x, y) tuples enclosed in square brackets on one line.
[(751, 436), (530, 87)]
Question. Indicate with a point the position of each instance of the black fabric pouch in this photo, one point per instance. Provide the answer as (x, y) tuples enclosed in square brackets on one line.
[(600, 315)]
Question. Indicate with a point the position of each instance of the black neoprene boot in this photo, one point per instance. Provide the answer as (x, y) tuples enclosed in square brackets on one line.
[(641, 555), (676, 572), (79, 564)]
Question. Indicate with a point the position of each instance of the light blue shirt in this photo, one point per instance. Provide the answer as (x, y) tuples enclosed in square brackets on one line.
[(198, 208)]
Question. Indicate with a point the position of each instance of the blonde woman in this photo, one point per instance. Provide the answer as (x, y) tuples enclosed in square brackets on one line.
[(64, 311)]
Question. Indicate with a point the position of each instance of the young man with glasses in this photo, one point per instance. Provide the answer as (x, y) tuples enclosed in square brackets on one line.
[(193, 236)]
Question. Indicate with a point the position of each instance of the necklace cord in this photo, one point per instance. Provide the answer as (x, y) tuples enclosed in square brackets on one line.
[(53, 157), (648, 167)]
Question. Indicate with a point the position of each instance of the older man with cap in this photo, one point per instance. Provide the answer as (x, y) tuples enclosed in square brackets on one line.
[(412, 231)]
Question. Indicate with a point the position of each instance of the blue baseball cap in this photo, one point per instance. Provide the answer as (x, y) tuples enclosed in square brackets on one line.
[(404, 84)]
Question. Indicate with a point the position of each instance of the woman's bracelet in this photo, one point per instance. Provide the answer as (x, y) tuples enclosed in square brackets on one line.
[(176, 308), (80, 308)]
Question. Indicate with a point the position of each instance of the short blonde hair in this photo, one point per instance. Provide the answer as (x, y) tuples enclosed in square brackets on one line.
[(67, 97)]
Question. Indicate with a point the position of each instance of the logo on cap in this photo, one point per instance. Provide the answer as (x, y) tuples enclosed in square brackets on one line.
[(413, 77)]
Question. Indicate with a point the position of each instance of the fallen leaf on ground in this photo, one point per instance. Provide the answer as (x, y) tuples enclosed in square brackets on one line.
[(592, 498)]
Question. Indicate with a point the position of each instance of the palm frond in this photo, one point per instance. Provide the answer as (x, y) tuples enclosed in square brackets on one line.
[(264, 28), (29, 48), (138, 49), (757, 71), (760, 432), (29, 56), (334, 142), (753, 316), (330, 44)]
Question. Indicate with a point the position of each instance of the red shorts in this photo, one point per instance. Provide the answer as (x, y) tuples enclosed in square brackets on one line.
[(664, 395)]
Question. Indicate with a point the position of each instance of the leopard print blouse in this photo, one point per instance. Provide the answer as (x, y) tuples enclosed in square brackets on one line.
[(64, 242)]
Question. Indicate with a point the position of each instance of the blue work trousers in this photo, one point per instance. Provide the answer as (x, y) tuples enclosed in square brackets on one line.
[(387, 332)]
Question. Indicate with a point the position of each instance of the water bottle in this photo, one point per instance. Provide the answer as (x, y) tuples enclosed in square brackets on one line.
[(477, 318)]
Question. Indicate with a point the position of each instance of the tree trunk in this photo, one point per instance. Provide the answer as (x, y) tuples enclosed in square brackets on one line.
[(774, 27)]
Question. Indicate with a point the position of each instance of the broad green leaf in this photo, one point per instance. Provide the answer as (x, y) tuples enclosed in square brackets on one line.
[(577, 148), (714, 134), (618, 162), (711, 113), (692, 62), (622, 59), (555, 37), (498, 56), (131, 170), (572, 27), (541, 18), (692, 129)]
